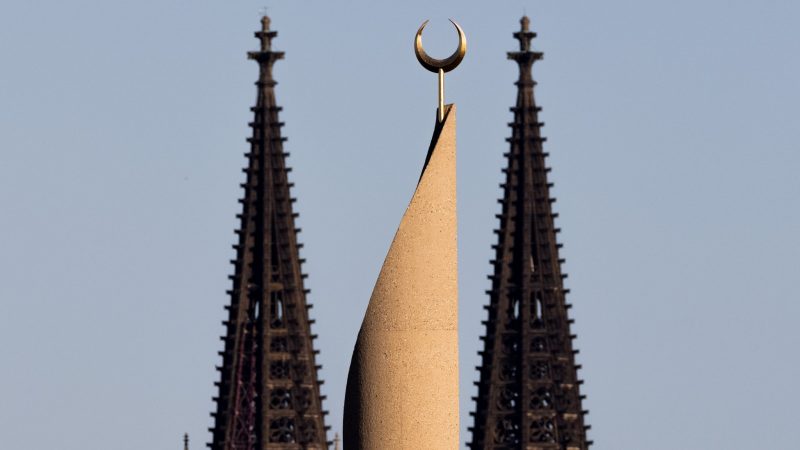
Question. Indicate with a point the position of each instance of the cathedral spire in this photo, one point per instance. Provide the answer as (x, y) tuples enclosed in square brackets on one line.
[(528, 390), (269, 392)]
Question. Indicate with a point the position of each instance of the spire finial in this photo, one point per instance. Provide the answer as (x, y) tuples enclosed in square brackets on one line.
[(525, 57), (525, 22), (524, 35), (266, 35), (265, 56), (185, 441)]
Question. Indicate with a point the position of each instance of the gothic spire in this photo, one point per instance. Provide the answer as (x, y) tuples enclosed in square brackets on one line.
[(269, 392), (528, 390)]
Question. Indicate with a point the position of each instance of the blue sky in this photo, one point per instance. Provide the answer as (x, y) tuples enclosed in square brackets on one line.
[(673, 141)]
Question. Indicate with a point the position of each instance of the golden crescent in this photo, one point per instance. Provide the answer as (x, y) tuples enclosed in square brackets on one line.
[(447, 64)]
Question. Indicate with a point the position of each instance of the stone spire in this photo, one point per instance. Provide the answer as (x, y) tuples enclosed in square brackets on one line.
[(528, 390), (269, 392)]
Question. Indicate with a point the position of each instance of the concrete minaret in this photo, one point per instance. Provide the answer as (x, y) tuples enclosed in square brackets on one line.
[(402, 389)]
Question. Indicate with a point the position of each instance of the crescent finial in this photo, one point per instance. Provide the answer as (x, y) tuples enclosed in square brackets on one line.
[(433, 64)]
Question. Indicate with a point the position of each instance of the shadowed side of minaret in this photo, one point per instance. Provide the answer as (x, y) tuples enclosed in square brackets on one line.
[(402, 389)]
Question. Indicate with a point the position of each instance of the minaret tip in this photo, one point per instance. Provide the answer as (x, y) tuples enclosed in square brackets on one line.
[(185, 441), (265, 21)]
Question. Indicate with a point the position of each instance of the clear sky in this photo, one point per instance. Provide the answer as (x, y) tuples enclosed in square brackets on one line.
[(672, 128)]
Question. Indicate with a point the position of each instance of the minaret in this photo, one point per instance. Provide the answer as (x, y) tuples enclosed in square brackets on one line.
[(269, 395), (402, 387), (529, 392)]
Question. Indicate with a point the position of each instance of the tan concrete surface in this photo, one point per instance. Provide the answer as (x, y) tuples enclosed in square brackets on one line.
[(402, 389)]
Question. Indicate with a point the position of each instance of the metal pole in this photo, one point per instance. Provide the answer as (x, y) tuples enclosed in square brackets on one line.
[(441, 95)]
